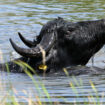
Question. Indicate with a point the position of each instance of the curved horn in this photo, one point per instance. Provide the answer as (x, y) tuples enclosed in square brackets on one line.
[(25, 52), (27, 42), (46, 43)]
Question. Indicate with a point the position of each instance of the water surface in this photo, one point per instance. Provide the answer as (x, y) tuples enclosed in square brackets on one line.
[(27, 17)]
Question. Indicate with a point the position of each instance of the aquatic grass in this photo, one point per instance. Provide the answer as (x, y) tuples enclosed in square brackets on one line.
[(73, 85), (14, 101), (96, 92), (38, 98), (11, 91), (91, 99), (94, 100), (3, 100), (7, 67), (36, 84), (11, 95), (26, 67)]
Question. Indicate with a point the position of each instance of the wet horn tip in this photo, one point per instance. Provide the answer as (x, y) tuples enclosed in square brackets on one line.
[(10, 40), (12, 43), (17, 49), (19, 34)]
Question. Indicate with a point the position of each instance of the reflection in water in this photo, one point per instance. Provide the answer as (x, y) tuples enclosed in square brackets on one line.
[(27, 17)]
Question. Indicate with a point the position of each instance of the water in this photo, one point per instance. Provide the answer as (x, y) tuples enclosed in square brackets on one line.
[(27, 17)]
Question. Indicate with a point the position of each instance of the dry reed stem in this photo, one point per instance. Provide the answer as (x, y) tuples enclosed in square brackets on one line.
[(1, 56)]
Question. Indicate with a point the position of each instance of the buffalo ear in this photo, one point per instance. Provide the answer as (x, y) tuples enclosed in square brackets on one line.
[(66, 30), (71, 29)]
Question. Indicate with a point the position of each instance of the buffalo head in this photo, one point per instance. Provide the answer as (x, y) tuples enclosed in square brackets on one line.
[(65, 43)]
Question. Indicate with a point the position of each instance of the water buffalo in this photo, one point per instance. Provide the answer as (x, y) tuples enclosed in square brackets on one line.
[(65, 43)]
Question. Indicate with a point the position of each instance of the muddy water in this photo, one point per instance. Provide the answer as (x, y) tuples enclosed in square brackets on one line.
[(27, 17)]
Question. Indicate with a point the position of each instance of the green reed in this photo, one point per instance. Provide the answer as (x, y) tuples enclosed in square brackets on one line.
[(13, 100)]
